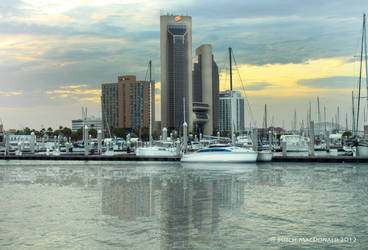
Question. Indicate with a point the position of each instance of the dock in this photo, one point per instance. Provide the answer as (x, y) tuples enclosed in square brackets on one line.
[(70, 157), (133, 157)]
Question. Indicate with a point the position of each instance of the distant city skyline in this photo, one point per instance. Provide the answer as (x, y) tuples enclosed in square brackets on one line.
[(54, 56)]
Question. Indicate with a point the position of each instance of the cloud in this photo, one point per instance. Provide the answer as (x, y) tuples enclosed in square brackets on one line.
[(12, 93), (336, 82), (75, 93), (73, 86), (257, 86)]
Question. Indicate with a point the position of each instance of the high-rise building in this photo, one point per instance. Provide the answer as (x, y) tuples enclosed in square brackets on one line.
[(226, 112), (125, 104), (176, 70), (205, 91)]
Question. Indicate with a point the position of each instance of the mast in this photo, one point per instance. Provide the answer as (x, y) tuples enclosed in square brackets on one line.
[(150, 101), (360, 71), (366, 66), (324, 114), (346, 122), (294, 125), (233, 112), (353, 120), (231, 73), (338, 118), (319, 111), (265, 117)]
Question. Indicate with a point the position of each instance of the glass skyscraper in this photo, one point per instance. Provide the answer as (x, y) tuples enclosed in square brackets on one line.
[(176, 70)]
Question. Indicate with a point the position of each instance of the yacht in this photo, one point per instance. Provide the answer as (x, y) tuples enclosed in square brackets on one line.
[(156, 151), (295, 143), (221, 154)]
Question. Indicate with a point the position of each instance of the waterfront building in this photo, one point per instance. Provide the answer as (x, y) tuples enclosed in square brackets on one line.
[(91, 122), (176, 70), (205, 91), (226, 117), (125, 104)]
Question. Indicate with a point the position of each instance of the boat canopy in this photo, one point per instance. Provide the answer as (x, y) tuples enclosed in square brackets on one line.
[(213, 150)]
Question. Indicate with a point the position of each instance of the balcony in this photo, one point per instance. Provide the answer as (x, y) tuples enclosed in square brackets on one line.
[(200, 118), (198, 106)]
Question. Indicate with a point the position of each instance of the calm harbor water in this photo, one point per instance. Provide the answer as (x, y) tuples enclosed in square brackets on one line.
[(114, 205)]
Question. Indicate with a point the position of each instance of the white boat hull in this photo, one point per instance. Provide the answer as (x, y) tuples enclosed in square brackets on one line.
[(362, 151), (155, 151), (221, 157), (264, 156)]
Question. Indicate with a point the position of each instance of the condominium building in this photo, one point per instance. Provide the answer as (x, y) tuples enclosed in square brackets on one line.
[(126, 104)]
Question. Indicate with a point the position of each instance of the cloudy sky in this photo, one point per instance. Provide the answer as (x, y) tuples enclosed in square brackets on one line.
[(54, 54)]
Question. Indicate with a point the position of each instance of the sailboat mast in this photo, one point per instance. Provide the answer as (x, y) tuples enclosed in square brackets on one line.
[(353, 120), (365, 50), (231, 73), (233, 112), (265, 117), (360, 72), (319, 111), (150, 101)]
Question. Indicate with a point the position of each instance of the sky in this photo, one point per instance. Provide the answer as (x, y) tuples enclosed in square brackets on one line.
[(54, 55)]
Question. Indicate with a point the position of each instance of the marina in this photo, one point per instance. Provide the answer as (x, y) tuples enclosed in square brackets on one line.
[(187, 144)]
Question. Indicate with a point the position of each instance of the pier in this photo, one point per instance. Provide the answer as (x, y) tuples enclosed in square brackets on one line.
[(133, 157), (66, 157)]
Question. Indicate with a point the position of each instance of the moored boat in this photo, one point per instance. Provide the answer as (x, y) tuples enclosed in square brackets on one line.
[(230, 154)]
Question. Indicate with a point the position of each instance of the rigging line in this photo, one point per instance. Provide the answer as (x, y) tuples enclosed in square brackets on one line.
[(245, 94)]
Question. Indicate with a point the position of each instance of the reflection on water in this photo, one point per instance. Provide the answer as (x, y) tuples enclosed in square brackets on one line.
[(173, 206)]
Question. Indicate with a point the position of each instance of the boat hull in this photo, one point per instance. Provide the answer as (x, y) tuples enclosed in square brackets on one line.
[(221, 157), (264, 156), (155, 151)]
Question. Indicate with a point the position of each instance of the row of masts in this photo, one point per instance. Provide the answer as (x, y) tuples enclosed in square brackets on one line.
[(294, 122)]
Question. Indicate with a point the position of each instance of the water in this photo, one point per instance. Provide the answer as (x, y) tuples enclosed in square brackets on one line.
[(114, 205)]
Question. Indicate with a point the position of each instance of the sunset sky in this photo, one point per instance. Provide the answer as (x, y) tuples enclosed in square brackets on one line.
[(54, 54)]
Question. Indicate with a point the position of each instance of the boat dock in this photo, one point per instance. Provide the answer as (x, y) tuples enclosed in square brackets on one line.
[(133, 157), (70, 157)]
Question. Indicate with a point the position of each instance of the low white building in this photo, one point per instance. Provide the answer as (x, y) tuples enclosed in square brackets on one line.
[(91, 122)]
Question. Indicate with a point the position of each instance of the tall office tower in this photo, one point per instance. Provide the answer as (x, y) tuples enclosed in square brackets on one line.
[(226, 112), (125, 104), (176, 70), (205, 91)]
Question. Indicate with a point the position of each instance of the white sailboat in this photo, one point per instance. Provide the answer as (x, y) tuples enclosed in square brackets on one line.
[(153, 150), (223, 153)]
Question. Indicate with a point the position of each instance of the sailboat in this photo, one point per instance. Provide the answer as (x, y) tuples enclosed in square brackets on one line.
[(223, 153), (153, 150), (362, 143)]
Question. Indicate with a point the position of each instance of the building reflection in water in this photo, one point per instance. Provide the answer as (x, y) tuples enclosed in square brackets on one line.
[(189, 203)]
